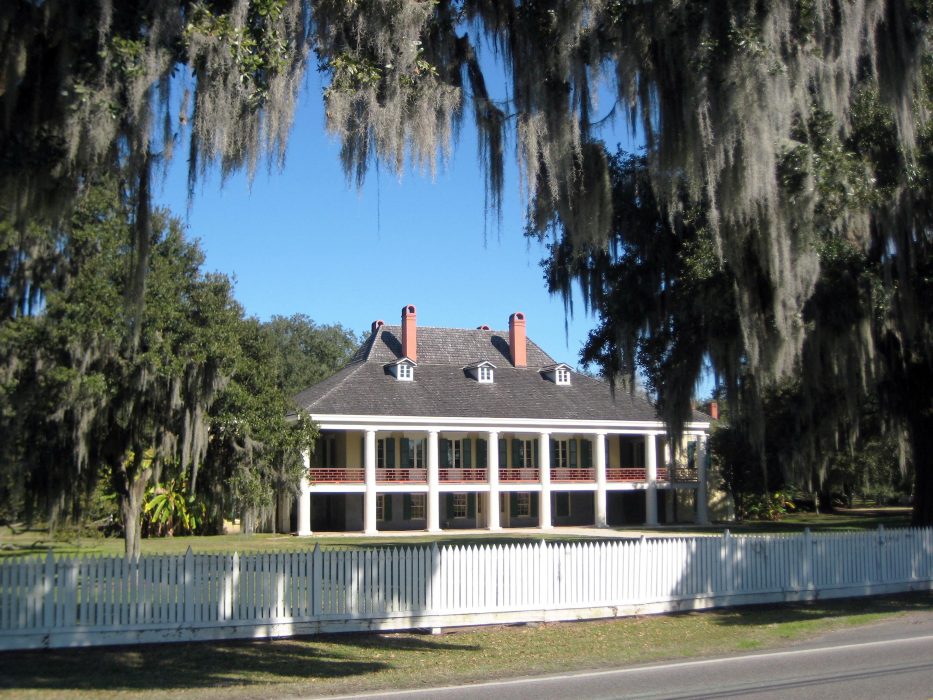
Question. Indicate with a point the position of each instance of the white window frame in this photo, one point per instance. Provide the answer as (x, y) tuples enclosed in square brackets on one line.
[(522, 504), (380, 507), (416, 453), (562, 376), (417, 506), (528, 454), (380, 453), (456, 453), (405, 372), (562, 448), (461, 505), (484, 374)]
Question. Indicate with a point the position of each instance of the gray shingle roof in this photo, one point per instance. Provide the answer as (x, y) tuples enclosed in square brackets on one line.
[(442, 387)]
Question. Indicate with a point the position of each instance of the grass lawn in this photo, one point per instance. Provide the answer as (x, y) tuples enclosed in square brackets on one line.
[(334, 664), (35, 541)]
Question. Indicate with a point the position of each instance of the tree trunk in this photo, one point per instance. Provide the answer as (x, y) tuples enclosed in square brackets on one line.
[(131, 508), (921, 439)]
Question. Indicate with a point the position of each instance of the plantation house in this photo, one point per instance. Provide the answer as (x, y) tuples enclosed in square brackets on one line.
[(442, 428)]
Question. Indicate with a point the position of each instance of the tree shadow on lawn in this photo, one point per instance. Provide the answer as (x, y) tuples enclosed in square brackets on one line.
[(823, 609), (208, 664)]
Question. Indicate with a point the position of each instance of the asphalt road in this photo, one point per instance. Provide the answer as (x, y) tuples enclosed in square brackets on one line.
[(888, 661)]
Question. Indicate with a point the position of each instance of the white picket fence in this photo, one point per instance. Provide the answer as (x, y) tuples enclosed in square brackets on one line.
[(77, 601)]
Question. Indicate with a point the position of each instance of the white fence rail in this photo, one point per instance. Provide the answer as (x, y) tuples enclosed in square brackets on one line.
[(77, 601)]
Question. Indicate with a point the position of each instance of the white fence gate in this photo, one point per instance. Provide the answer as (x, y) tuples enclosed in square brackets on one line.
[(77, 601)]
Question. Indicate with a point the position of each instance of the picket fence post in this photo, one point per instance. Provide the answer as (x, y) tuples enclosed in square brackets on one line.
[(188, 583), (808, 578)]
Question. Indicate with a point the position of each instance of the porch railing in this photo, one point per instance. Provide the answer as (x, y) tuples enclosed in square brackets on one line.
[(563, 474), (684, 474), (336, 475), (521, 474), (462, 475), (417, 476), (635, 474)]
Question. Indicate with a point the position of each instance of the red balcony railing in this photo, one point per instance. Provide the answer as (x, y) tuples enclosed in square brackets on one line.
[(633, 474), (562, 474), (522, 474), (392, 476), (462, 475), (336, 475)]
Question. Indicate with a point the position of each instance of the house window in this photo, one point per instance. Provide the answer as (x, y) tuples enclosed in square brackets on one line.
[(528, 454), (326, 451), (562, 504), (485, 375), (405, 373), (563, 376), (417, 506), (416, 455), (380, 507), (523, 505), (460, 505), (561, 454), (456, 454), (381, 454)]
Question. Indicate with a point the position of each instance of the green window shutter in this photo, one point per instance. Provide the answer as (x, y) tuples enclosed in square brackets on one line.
[(362, 450), (513, 505), (534, 504), (387, 506), (573, 453), (481, 453), (443, 448), (516, 453), (691, 454), (390, 453), (405, 453), (406, 506), (471, 505), (553, 453), (534, 453), (450, 506), (503, 453), (586, 453), (467, 456)]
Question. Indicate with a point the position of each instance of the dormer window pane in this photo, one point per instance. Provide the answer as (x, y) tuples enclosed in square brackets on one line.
[(405, 373), (563, 376), (485, 375)]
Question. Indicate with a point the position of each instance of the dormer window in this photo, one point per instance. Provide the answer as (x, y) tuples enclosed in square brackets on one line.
[(403, 370), (559, 374), (481, 371)]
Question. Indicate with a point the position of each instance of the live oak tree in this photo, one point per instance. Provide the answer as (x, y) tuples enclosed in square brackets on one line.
[(798, 130)]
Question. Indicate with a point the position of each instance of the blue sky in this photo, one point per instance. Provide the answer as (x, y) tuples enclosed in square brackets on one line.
[(305, 241)]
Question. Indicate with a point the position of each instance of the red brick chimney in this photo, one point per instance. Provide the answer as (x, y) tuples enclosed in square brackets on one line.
[(517, 345), (409, 333), (714, 410), (377, 325)]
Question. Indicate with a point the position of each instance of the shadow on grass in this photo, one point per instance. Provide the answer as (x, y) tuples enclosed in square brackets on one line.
[(824, 609), (167, 667)]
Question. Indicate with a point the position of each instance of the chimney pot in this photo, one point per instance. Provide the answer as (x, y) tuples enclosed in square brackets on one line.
[(484, 327), (714, 410), (377, 325), (517, 342), (409, 333)]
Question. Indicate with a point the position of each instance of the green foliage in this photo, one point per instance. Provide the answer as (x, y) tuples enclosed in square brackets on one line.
[(171, 510)]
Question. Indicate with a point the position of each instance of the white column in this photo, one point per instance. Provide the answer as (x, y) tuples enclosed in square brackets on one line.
[(434, 500), (599, 440), (492, 460), (369, 471), (304, 500), (544, 500), (702, 497), (651, 494)]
